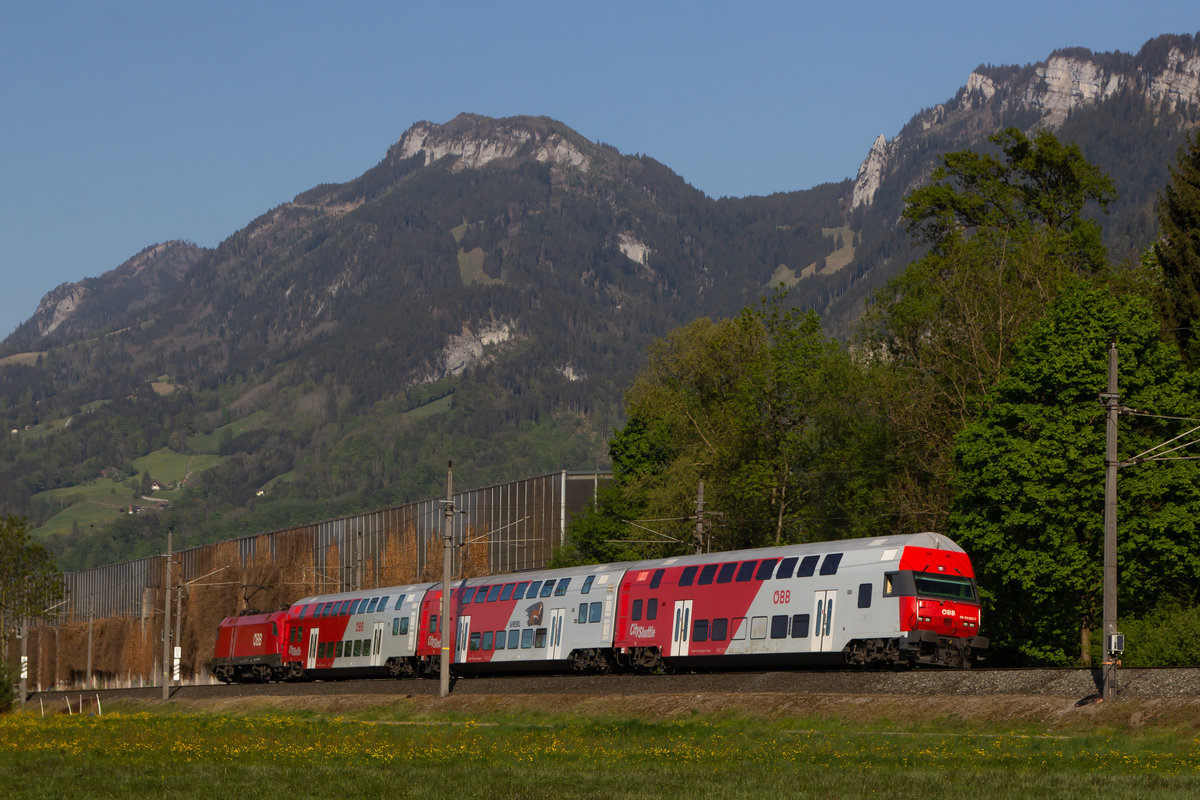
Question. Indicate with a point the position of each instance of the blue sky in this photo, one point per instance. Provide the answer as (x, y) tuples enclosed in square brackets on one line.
[(131, 123)]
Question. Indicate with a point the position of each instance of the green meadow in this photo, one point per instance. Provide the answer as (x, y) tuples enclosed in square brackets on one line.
[(388, 753)]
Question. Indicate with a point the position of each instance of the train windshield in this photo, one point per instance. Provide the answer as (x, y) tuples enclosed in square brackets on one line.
[(949, 587)]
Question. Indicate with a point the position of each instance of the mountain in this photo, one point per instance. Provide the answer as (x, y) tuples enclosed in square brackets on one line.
[(484, 294)]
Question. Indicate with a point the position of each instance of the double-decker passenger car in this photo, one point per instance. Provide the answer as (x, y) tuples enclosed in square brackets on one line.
[(893, 599)]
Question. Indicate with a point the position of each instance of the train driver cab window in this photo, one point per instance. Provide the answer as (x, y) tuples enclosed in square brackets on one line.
[(652, 608), (433, 623), (636, 612)]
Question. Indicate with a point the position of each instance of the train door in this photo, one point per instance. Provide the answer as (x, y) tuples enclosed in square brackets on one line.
[(681, 629), (377, 645), (464, 636), (823, 620), (610, 602), (413, 624), (314, 635), (558, 617)]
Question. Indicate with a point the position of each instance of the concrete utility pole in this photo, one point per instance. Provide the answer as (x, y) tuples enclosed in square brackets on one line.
[(700, 519), (166, 628), (1112, 403), (448, 543)]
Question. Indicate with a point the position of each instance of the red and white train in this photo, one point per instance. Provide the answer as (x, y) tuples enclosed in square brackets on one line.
[(899, 600)]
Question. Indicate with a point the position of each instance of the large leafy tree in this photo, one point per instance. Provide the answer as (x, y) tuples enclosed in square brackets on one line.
[(29, 581), (1003, 231), (1030, 482), (769, 414), (1178, 250)]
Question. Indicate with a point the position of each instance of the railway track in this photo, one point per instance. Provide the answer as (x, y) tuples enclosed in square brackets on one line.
[(1076, 684)]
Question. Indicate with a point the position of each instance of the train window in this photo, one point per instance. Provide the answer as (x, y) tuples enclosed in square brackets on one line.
[(383, 601), (339, 608), (739, 628), (357, 647), (725, 575), (494, 592), (533, 589), (779, 626), (765, 568), (561, 589), (371, 605), (830, 565), (582, 613), (800, 626), (547, 587), (337, 649), (508, 590), (657, 578), (587, 584), (864, 595), (719, 630), (787, 567), (399, 602), (433, 625), (519, 592), (808, 565), (758, 627), (514, 639), (652, 608), (395, 626), (699, 630), (706, 574), (636, 612), (527, 638), (486, 642), (746, 571), (539, 638), (687, 576), (500, 640), (403, 626), (468, 595), (474, 645), (595, 610), (356, 606)]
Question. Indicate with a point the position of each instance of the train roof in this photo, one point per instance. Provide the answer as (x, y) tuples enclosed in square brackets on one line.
[(926, 539)]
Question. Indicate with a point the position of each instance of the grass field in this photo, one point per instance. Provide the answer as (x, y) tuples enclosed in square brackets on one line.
[(387, 753)]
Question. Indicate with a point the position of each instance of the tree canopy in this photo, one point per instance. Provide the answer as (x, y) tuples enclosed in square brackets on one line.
[(29, 582), (1178, 250), (1029, 489)]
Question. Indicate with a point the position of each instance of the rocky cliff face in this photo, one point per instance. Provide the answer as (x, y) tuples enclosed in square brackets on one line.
[(1165, 73), (97, 302)]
